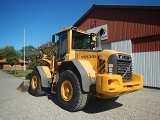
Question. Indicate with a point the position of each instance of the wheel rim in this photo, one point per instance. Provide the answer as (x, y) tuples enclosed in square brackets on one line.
[(66, 90), (34, 82)]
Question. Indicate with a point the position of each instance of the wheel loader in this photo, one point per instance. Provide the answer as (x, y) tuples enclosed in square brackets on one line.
[(81, 68)]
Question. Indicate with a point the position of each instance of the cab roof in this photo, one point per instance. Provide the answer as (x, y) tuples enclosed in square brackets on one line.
[(73, 28)]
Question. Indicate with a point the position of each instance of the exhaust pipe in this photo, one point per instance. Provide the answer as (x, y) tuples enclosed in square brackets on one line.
[(98, 39), (24, 86)]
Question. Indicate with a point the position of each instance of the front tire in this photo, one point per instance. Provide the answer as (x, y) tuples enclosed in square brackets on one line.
[(69, 93), (35, 84)]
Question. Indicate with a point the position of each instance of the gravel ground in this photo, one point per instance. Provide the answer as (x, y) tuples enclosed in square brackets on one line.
[(141, 105)]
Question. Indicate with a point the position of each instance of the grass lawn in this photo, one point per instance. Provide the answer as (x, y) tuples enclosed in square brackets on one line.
[(19, 73)]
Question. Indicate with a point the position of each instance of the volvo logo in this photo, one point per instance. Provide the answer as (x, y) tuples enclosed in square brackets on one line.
[(88, 56), (124, 57)]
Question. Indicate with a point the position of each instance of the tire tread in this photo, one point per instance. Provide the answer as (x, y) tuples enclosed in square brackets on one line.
[(82, 98)]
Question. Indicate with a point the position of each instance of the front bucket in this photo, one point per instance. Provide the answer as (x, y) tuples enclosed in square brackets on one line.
[(24, 86)]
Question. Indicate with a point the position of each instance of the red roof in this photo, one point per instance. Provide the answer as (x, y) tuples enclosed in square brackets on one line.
[(3, 60), (20, 61)]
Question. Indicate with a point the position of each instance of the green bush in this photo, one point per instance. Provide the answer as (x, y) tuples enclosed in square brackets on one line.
[(28, 76)]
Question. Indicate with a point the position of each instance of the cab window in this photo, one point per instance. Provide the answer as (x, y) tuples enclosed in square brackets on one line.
[(62, 45), (81, 41)]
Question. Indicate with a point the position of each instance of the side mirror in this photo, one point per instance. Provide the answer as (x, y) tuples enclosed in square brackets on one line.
[(53, 38)]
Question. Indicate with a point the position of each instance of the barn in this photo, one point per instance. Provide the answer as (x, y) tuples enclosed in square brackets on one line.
[(131, 29)]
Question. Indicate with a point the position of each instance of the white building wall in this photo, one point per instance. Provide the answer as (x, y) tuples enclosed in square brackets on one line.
[(122, 46), (106, 46), (148, 64)]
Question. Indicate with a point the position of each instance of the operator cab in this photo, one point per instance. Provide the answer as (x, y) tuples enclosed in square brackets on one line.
[(72, 39)]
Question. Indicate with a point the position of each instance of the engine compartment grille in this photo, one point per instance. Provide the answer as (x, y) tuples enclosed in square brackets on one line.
[(124, 68), (101, 64)]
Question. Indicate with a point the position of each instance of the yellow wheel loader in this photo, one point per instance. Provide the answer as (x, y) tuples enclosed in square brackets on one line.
[(80, 68)]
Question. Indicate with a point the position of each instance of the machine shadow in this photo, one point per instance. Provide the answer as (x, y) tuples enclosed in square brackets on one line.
[(97, 106), (93, 105), (53, 98)]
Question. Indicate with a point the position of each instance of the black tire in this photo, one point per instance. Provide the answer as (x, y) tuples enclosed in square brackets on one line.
[(36, 89), (77, 100)]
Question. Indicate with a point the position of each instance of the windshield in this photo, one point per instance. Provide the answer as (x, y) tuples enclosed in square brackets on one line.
[(81, 41)]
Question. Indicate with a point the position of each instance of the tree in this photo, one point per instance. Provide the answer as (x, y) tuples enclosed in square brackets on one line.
[(48, 48), (28, 50), (12, 60), (8, 51), (1, 53), (10, 54)]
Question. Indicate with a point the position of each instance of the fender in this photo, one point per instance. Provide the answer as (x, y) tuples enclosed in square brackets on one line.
[(86, 71), (45, 75)]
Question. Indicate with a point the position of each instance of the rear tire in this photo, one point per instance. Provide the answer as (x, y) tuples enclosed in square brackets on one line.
[(35, 84), (69, 93)]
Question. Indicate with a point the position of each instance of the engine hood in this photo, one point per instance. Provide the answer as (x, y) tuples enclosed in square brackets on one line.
[(108, 53)]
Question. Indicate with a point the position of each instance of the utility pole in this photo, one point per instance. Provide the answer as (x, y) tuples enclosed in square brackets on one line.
[(24, 67)]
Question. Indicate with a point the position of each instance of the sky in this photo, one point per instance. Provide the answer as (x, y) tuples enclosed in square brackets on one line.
[(42, 18)]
